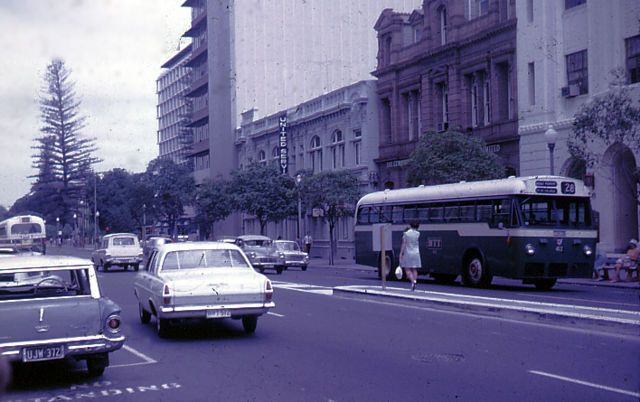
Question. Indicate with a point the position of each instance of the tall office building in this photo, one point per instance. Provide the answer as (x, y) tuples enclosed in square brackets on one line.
[(269, 56), (174, 138)]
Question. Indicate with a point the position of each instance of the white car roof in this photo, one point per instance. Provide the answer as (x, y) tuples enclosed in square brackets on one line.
[(198, 245), (42, 261)]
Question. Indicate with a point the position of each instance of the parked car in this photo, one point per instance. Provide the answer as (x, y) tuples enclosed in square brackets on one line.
[(226, 239), (118, 249), (294, 257), (201, 280), (51, 308), (154, 242), (262, 252)]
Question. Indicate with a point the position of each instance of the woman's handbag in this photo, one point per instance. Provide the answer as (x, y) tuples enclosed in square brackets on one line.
[(399, 272)]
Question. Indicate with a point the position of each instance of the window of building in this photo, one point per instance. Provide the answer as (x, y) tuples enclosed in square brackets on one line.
[(573, 3), (577, 71), (486, 102), (417, 33), (476, 8), (357, 147), (530, 10), (275, 156), (386, 50), (503, 85), (443, 25), (386, 121), (262, 157), (337, 149), (532, 83), (315, 154), (473, 100), (633, 58)]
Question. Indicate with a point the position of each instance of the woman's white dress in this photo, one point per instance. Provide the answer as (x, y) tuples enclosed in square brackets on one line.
[(411, 257)]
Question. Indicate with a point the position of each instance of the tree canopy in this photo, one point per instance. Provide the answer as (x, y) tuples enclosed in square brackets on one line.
[(451, 157), (64, 156), (336, 193), (213, 202), (261, 190)]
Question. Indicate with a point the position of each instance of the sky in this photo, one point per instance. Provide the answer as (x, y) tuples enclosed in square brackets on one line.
[(114, 49)]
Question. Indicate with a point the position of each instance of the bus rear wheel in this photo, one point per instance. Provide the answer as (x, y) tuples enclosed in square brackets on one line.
[(475, 273), (389, 271)]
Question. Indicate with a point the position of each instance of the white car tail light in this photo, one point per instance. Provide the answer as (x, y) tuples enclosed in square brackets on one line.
[(268, 291), (166, 295)]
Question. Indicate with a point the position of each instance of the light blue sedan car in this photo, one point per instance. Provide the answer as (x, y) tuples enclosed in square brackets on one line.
[(51, 308)]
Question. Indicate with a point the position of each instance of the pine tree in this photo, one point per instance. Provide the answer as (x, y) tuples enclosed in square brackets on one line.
[(64, 156)]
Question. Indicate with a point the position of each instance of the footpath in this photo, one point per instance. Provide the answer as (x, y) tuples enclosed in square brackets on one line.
[(621, 321)]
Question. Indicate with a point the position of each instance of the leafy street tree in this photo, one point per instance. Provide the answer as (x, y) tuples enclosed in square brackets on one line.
[(172, 187), (451, 157), (63, 155), (336, 193), (214, 203), (261, 190), (610, 118)]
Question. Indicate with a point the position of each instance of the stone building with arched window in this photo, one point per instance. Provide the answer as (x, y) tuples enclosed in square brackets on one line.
[(335, 131), (565, 56)]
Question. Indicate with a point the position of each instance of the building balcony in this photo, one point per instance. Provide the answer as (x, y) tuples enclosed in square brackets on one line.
[(198, 56), (199, 117), (198, 87), (198, 25)]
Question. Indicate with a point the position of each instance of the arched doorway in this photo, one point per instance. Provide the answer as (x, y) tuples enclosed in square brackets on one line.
[(616, 190)]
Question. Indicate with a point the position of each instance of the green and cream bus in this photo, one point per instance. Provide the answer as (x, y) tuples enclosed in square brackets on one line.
[(536, 229), (24, 233)]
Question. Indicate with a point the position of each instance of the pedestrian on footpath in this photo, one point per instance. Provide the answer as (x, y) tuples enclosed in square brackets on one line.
[(410, 253), (308, 241)]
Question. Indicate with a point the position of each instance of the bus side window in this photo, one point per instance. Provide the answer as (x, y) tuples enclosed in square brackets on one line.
[(385, 214), (363, 215), (423, 213), (484, 211), (435, 213), (374, 215), (467, 212), (501, 212), (398, 213), (451, 213)]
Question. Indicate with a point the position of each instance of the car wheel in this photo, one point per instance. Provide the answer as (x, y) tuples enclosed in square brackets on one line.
[(162, 327), (105, 266), (545, 284), (279, 270), (136, 267), (475, 273), (249, 323), (145, 316), (261, 270), (96, 365), (304, 267)]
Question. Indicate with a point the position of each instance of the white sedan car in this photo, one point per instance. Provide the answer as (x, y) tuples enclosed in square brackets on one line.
[(205, 280)]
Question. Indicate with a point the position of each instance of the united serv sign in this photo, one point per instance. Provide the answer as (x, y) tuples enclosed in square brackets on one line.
[(284, 158)]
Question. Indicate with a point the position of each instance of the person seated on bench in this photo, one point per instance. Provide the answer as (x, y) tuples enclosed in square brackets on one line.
[(601, 260), (629, 261)]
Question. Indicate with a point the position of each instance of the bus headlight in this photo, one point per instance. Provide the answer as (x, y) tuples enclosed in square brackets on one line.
[(529, 249), (588, 251)]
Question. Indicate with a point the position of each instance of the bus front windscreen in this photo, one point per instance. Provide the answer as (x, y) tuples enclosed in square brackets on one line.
[(566, 212)]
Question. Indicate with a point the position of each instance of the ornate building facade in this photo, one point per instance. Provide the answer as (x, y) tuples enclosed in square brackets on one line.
[(335, 131), (566, 52), (448, 65)]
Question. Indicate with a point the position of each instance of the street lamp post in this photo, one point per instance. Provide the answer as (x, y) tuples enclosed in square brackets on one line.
[(551, 136), (298, 180), (75, 229), (58, 230), (96, 217)]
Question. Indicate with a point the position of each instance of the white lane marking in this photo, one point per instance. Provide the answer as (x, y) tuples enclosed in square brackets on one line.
[(586, 383), (301, 287), (275, 314)]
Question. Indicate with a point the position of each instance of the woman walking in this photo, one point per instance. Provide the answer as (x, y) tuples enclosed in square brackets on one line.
[(410, 253)]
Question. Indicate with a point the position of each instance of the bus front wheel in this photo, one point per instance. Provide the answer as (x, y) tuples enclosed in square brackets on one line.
[(475, 272)]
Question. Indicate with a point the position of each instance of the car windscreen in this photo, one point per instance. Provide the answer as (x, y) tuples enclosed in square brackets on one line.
[(123, 241), (194, 259), (30, 284), (287, 246)]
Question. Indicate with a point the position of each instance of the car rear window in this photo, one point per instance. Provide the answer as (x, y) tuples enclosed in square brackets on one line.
[(193, 259), (46, 283), (123, 241)]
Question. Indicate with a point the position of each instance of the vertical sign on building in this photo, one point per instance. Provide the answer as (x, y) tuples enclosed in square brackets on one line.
[(284, 160)]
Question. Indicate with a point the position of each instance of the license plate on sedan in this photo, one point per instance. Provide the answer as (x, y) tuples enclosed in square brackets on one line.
[(40, 353), (218, 313)]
